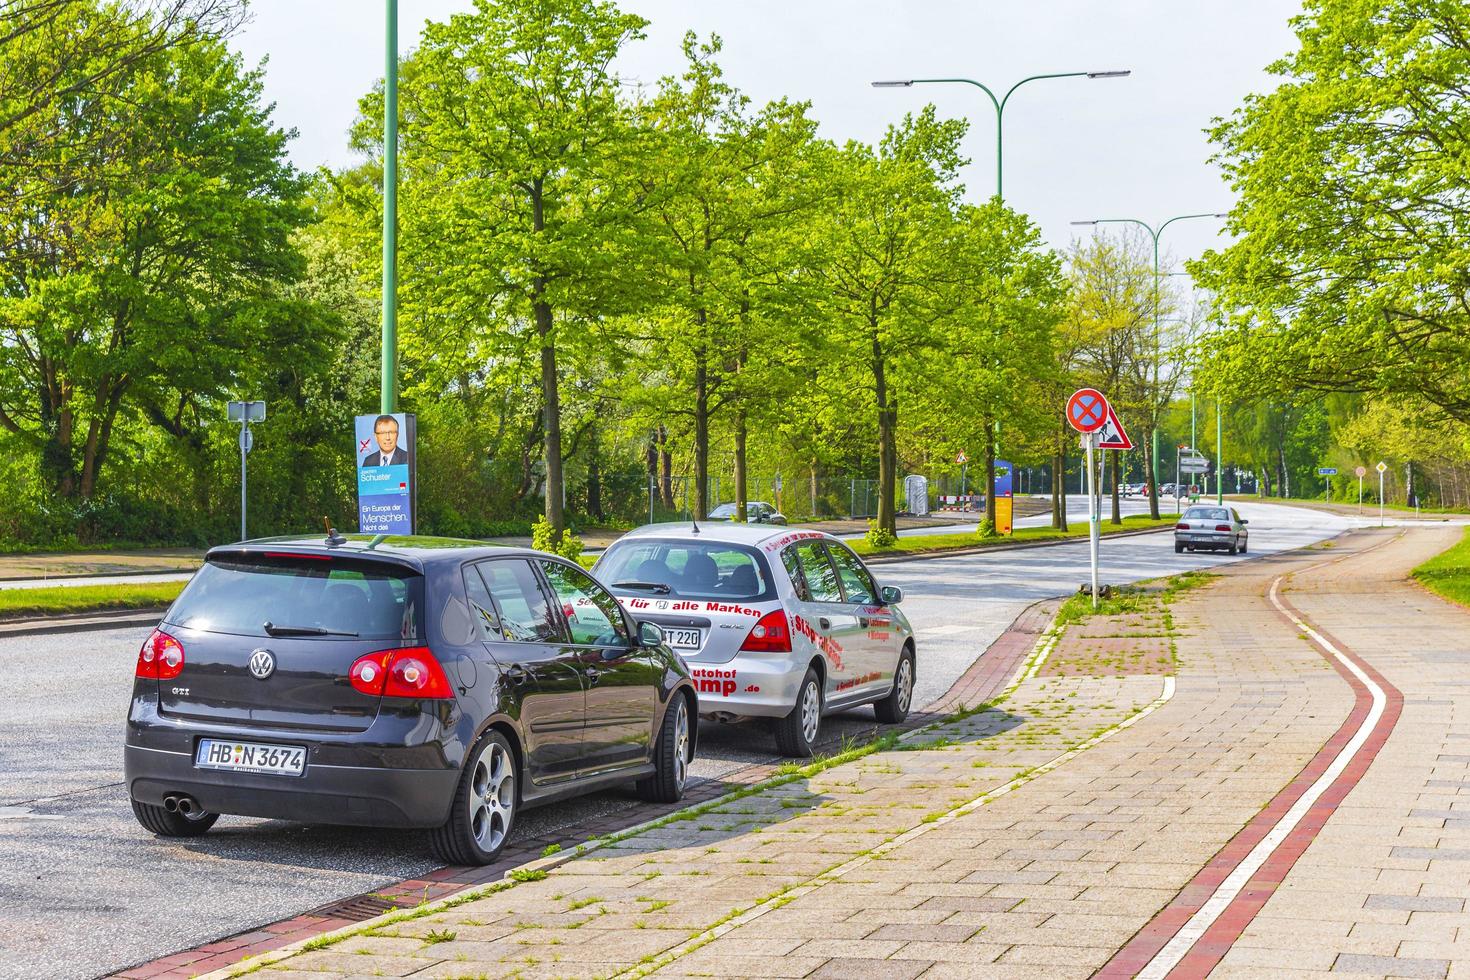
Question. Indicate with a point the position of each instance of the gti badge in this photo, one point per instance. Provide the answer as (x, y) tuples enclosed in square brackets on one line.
[(262, 664)]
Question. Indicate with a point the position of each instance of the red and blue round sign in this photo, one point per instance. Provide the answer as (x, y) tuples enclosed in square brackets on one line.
[(1087, 410)]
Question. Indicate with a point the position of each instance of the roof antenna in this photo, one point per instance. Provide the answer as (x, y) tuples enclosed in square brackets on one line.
[(332, 536)]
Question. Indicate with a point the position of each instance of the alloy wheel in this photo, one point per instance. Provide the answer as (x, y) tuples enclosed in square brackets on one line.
[(681, 743), (905, 683), (492, 796), (811, 712)]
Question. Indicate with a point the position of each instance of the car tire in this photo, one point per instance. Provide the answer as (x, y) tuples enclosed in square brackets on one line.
[(894, 708), (1232, 549), (797, 733), (1178, 548), (485, 805), (157, 820), (1242, 546), (671, 756)]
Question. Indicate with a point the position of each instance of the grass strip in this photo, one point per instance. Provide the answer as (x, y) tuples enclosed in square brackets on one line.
[(1447, 574), (60, 599), (1023, 535)]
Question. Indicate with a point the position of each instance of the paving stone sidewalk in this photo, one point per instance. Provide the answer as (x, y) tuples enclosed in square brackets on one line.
[(1383, 889), (972, 855)]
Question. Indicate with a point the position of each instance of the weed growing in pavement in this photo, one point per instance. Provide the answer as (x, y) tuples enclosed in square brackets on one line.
[(582, 903), (550, 849), (438, 936), (527, 874)]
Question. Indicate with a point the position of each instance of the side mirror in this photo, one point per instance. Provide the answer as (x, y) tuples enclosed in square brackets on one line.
[(1244, 521), (650, 634), (891, 595)]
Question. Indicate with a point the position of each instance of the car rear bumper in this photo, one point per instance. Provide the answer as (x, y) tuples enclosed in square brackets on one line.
[(1201, 539), (748, 685), (375, 778), (369, 797)]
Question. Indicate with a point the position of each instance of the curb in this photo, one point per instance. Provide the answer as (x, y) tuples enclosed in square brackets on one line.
[(82, 622), (71, 575), (986, 549)]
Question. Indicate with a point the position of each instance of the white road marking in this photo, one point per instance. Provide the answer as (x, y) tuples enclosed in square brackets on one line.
[(1176, 949)]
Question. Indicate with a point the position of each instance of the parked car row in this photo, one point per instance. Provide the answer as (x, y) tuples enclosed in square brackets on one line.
[(446, 685)]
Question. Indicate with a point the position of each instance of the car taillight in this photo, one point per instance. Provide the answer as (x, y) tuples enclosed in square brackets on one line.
[(1181, 527), (410, 672), (1222, 527), (370, 673), (771, 634), (161, 658)]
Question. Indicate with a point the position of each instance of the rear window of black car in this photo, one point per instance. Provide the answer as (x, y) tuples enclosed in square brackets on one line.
[(239, 595), (683, 569)]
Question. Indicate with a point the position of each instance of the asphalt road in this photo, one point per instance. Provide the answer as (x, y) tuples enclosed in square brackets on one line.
[(85, 891)]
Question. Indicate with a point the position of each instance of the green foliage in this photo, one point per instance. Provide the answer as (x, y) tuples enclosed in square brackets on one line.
[(879, 537), (1349, 272), (544, 538)]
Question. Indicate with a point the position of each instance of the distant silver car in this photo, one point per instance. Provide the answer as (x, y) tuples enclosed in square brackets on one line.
[(1211, 529), (756, 512), (774, 623)]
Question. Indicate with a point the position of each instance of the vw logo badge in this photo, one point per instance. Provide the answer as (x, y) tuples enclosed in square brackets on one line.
[(262, 664)]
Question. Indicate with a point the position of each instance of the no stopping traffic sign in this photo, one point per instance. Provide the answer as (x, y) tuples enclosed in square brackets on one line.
[(1087, 410)]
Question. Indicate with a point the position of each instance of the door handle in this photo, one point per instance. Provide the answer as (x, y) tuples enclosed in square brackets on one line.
[(516, 674), (593, 674), (824, 622), (863, 622)]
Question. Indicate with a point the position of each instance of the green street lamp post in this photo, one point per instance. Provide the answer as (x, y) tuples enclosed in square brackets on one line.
[(1000, 104), (389, 383), (1155, 235)]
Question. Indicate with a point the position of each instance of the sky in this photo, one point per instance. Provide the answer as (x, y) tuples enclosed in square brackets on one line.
[(1074, 148)]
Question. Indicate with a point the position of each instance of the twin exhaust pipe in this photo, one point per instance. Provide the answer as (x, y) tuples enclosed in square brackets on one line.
[(178, 803)]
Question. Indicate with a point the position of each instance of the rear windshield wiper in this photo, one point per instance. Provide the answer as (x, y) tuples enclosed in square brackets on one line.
[(275, 630), (658, 587)]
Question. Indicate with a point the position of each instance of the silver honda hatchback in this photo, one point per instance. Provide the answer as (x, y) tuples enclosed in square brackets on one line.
[(781, 624)]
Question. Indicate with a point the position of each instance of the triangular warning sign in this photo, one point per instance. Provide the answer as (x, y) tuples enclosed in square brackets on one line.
[(1111, 435)]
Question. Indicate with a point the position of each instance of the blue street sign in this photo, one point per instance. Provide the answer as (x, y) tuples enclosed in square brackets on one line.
[(1327, 471)]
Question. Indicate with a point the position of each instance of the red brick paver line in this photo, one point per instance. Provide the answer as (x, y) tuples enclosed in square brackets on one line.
[(1190, 936)]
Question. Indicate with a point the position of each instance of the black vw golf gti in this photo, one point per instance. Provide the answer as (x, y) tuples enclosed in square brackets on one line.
[(399, 682)]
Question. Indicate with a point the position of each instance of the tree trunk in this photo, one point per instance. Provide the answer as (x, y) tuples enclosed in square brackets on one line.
[(988, 525), (1151, 466), (550, 390), (814, 490), (741, 490), (1058, 482), (552, 422), (701, 435), (1113, 455), (666, 468), (887, 519)]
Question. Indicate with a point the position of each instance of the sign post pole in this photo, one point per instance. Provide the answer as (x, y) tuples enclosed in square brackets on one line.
[(1382, 468), (245, 413), (1092, 513)]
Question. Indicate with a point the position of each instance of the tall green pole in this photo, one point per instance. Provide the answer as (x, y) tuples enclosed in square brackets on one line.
[(389, 401)]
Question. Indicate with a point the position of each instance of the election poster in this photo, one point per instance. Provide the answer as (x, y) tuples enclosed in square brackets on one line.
[(385, 473)]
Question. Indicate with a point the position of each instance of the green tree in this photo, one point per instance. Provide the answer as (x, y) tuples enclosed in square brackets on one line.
[(1353, 261), (146, 281), (874, 255), (518, 208)]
